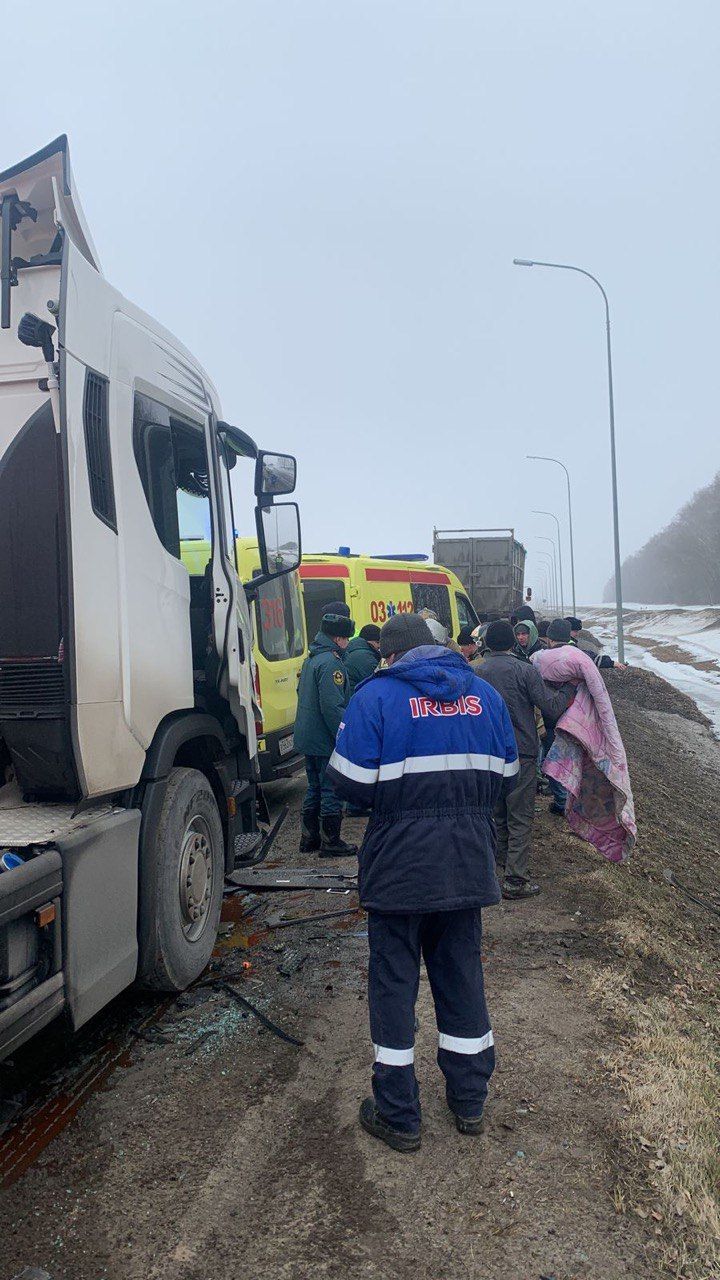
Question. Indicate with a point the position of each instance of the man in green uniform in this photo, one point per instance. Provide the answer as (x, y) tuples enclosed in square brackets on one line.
[(362, 655), (323, 694)]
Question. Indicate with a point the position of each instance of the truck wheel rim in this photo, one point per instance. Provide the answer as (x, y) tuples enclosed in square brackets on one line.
[(196, 877)]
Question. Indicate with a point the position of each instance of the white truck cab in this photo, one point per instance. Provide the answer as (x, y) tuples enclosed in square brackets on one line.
[(128, 752)]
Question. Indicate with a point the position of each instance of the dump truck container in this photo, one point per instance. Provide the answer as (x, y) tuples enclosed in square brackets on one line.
[(489, 562)]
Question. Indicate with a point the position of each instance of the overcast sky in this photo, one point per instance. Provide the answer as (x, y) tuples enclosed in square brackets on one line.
[(323, 198)]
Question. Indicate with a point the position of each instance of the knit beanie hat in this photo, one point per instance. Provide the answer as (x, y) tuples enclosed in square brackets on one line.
[(525, 613), (402, 633), (337, 624), (370, 632), (465, 635), (499, 636), (559, 629), (575, 624)]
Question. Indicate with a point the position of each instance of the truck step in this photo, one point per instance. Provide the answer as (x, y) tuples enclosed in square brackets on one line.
[(246, 845)]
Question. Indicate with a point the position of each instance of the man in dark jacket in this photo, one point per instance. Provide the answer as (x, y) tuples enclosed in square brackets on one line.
[(466, 643), (527, 640), (602, 660), (323, 694), (525, 613), (523, 689), (362, 655), (429, 746)]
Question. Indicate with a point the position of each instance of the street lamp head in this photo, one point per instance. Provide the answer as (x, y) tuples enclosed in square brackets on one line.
[(523, 262)]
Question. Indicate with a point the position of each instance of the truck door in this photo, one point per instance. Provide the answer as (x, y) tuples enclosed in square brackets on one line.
[(144, 628), (232, 622)]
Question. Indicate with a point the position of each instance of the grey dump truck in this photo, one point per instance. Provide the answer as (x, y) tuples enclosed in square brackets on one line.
[(489, 562)]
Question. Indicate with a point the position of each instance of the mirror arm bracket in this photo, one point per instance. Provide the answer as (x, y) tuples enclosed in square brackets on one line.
[(259, 580)]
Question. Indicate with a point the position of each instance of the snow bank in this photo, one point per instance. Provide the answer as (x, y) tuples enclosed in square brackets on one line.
[(694, 630)]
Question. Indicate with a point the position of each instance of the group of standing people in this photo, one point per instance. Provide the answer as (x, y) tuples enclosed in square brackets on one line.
[(440, 747), (535, 708)]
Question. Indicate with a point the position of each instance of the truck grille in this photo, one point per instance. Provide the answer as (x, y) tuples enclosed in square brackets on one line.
[(36, 683)]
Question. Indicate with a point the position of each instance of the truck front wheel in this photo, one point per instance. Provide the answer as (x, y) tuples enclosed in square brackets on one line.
[(186, 894)]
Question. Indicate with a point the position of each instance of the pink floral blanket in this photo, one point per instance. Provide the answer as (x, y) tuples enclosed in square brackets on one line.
[(588, 757)]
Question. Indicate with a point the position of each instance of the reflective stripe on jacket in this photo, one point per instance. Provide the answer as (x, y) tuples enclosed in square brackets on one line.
[(430, 747)]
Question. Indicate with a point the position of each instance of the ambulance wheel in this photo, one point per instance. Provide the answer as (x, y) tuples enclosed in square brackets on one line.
[(188, 855)]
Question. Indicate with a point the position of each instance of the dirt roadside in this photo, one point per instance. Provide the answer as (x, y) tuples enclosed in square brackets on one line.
[(240, 1153)]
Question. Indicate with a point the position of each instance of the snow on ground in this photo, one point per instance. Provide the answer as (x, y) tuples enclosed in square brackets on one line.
[(668, 633)]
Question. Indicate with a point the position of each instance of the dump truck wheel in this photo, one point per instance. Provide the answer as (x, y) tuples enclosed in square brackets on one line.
[(187, 894)]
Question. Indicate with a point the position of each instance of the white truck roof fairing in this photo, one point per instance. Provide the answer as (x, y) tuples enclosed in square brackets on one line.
[(45, 180)]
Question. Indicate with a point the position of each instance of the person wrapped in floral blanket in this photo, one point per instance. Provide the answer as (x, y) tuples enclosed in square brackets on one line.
[(587, 757)]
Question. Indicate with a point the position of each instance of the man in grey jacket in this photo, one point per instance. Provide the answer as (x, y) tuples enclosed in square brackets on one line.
[(523, 689)]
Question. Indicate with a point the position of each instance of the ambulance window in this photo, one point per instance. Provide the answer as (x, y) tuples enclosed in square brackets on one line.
[(272, 630), (466, 614), (279, 619), (429, 595), (319, 592), (292, 587)]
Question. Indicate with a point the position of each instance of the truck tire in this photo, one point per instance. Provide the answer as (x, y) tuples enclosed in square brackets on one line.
[(184, 910)]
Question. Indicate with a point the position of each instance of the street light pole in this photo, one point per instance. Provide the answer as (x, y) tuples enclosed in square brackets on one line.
[(540, 457), (562, 584), (547, 568), (542, 538), (566, 266)]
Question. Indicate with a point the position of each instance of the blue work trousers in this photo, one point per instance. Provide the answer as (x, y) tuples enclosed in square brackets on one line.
[(449, 943), (320, 797)]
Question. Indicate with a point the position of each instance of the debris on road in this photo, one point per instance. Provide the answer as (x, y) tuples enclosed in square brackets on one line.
[(292, 962), (669, 876), (196, 1044), (282, 921), (288, 881), (223, 985)]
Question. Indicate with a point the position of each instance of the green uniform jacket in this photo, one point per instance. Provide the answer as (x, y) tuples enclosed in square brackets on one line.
[(360, 661), (323, 694)]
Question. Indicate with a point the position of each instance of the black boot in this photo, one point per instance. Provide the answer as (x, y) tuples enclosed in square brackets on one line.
[(372, 1122), (310, 832), (332, 846), (470, 1125), (514, 888)]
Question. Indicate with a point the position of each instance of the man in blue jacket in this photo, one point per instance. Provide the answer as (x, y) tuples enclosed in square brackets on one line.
[(428, 746), (323, 693)]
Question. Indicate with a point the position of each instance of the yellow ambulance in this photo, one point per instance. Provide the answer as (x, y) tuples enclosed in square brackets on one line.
[(377, 588), (279, 650)]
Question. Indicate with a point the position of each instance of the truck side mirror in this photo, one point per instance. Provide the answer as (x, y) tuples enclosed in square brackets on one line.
[(275, 473), (278, 530)]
